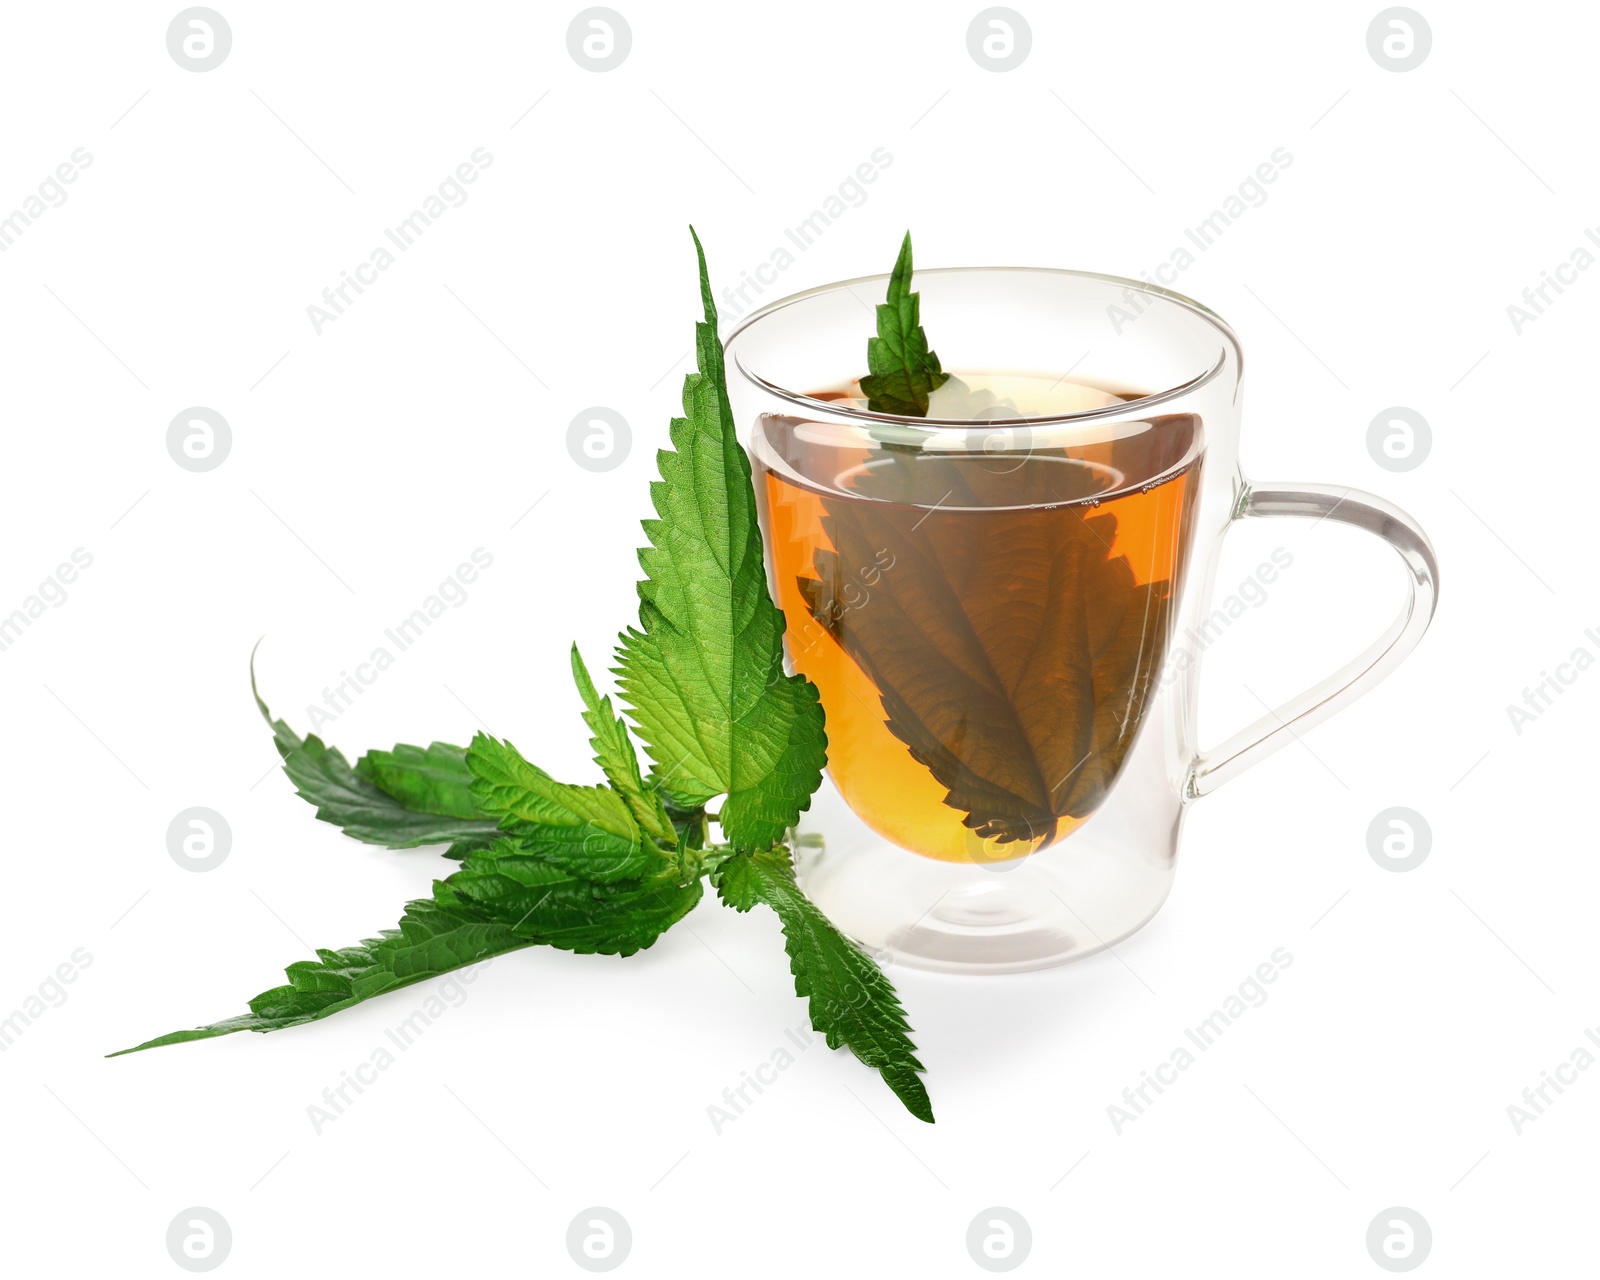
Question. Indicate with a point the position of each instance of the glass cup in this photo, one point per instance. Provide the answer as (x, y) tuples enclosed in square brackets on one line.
[(1004, 604)]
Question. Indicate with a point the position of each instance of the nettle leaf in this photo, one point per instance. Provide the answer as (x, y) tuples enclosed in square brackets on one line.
[(614, 754), (431, 941), (432, 779), (1014, 654), (503, 898), (689, 824), (399, 799), (851, 1001), (583, 868), (904, 372), (588, 830), (542, 896), (703, 674)]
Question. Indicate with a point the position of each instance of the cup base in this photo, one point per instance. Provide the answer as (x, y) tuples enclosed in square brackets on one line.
[(1055, 906)]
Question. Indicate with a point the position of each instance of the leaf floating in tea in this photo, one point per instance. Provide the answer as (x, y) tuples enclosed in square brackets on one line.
[(1013, 653), (904, 372)]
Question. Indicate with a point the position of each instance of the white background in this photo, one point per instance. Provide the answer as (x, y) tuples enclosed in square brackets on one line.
[(429, 418)]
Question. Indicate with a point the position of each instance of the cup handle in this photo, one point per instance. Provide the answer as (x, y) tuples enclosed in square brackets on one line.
[(1318, 502)]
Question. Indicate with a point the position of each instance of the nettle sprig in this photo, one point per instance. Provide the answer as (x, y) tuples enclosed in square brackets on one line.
[(904, 372), (607, 869)]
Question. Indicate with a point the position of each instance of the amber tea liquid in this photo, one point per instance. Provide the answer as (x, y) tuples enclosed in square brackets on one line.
[(985, 621)]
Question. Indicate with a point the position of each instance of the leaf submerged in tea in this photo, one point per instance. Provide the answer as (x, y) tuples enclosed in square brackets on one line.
[(1012, 648)]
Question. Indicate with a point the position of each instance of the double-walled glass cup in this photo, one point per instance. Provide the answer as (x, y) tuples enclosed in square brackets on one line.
[(1004, 607)]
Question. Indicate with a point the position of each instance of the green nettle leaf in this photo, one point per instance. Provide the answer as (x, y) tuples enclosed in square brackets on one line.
[(608, 869), (1014, 655), (430, 941), (904, 373), (503, 898), (544, 899), (690, 824), (852, 1002), (588, 830), (614, 754), (703, 672), (432, 779), (399, 799)]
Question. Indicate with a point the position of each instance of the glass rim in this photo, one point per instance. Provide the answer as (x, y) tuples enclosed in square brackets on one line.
[(1121, 409)]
